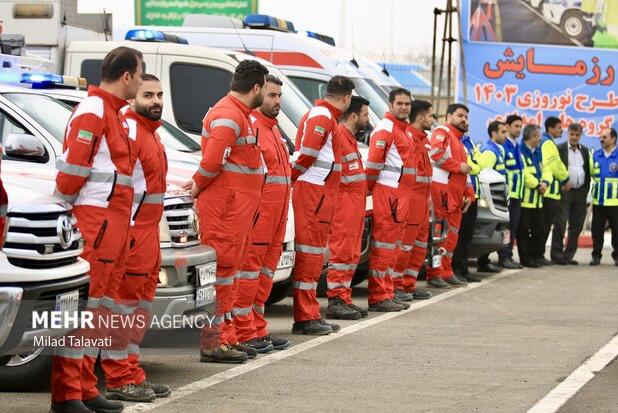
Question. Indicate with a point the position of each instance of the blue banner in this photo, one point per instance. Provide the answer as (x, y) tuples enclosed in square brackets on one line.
[(508, 69)]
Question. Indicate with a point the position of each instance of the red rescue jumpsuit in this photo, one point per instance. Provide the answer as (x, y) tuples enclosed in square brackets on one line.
[(316, 175), (255, 279), (344, 241), (390, 176), (416, 232), (142, 269), (448, 188), (231, 176), (94, 173)]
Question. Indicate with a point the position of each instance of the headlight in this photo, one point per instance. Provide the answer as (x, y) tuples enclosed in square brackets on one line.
[(164, 230), (483, 203), (10, 297)]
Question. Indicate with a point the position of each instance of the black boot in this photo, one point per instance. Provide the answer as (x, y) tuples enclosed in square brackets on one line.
[(69, 406), (279, 343), (259, 345), (101, 405), (339, 310), (130, 393), (311, 328)]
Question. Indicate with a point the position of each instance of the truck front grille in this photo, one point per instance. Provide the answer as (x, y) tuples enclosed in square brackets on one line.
[(499, 196), (182, 221), (40, 240)]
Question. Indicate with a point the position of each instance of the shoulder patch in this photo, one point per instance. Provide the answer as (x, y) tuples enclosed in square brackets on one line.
[(381, 144), (84, 136), (319, 130), (440, 138)]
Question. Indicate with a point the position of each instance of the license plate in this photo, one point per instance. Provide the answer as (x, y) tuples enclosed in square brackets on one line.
[(436, 261), (286, 260), (204, 296), (206, 274), (506, 237), (67, 302)]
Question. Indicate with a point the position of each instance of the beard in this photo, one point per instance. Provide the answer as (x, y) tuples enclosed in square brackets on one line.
[(257, 101), (153, 112), (463, 128)]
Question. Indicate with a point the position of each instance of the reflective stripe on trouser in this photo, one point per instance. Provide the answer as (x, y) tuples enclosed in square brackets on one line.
[(452, 213), (390, 209), (255, 278), (137, 290), (106, 249), (226, 217), (344, 243), (313, 213)]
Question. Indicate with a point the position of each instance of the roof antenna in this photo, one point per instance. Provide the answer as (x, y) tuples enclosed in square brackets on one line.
[(353, 61), (247, 51)]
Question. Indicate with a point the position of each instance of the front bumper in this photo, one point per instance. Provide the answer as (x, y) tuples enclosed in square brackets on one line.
[(489, 233), (40, 296), (175, 295)]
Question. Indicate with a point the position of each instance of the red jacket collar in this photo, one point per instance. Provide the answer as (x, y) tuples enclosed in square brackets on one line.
[(114, 101), (417, 134), (149, 124), (246, 110), (458, 134), (401, 124), (263, 119), (345, 132), (333, 110)]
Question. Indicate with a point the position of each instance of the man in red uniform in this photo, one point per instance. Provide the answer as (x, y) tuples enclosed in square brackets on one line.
[(255, 279), (227, 186), (391, 170), (94, 174), (142, 272), (316, 175), (451, 189), (416, 232), (344, 242)]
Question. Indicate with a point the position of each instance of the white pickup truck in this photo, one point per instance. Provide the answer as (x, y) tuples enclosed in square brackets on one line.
[(40, 270)]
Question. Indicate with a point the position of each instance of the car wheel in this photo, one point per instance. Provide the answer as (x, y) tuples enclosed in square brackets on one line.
[(573, 24), (279, 292), (26, 372)]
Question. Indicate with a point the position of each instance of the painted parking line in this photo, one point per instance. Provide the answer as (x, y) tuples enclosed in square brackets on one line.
[(255, 364), (556, 398)]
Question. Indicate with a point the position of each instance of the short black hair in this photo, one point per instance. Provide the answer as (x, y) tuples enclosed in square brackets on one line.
[(512, 119), (575, 127), (551, 122), (356, 104), (452, 108), (147, 77), (339, 86), (273, 79), (529, 131), (398, 91), (120, 61), (248, 74), (494, 126), (418, 108), (612, 133)]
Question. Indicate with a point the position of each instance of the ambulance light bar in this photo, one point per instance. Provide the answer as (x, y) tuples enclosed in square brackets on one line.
[(322, 37), (42, 80), (145, 35), (263, 21)]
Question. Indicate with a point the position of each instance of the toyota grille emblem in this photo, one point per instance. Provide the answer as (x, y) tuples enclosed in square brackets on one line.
[(64, 229)]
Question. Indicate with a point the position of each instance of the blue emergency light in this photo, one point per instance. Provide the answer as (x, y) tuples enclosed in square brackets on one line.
[(263, 21), (321, 37), (146, 35), (40, 80)]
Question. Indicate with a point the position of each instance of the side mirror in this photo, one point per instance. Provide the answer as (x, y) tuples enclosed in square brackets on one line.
[(24, 146)]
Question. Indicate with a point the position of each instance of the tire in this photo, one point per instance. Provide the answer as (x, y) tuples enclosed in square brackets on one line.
[(279, 292), (574, 26), (26, 372)]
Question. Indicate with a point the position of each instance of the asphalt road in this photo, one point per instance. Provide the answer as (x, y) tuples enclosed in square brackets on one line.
[(500, 345)]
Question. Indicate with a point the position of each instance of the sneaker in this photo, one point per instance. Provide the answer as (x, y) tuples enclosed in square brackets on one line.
[(250, 351), (279, 343), (385, 306), (160, 390), (404, 304), (101, 405), (421, 294), (438, 282), (311, 328), (403, 296), (333, 326), (223, 354), (261, 346), (70, 406), (339, 310), (130, 393), (363, 312)]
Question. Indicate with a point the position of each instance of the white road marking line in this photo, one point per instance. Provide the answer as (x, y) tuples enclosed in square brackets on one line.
[(251, 365), (556, 398)]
